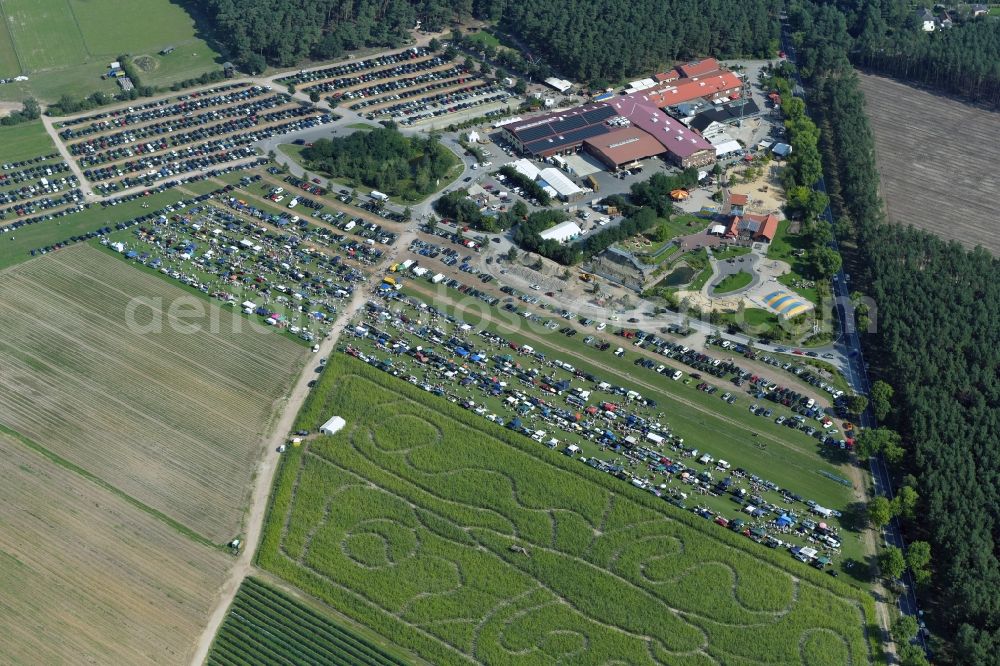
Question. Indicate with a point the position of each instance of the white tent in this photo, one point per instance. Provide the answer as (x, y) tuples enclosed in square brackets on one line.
[(525, 167), (562, 232), (727, 148), (563, 186), (332, 426)]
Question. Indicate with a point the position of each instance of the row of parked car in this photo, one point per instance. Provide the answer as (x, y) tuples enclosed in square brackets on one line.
[(31, 170), (435, 81), (101, 122), (22, 208), (354, 66), (172, 128), (387, 79), (229, 148), (425, 104), (436, 110), (384, 87), (41, 187)]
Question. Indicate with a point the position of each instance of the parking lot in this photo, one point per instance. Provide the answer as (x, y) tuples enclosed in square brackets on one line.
[(145, 144), (408, 87), (284, 275), (39, 184)]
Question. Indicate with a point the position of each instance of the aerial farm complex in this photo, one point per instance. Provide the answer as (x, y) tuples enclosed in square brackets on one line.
[(407, 334)]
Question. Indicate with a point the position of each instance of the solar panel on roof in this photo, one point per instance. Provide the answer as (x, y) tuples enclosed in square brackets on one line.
[(599, 114), (569, 124), (535, 133)]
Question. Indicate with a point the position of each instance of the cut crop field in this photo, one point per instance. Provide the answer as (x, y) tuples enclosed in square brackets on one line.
[(265, 626), (466, 544), (937, 161), (113, 369), (88, 577)]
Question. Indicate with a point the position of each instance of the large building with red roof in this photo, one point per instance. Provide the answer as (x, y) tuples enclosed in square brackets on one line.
[(682, 145), (623, 146), (712, 87)]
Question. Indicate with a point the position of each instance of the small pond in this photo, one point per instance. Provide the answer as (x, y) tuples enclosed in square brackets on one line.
[(678, 276)]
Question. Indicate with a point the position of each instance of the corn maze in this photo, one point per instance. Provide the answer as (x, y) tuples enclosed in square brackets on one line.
[(265, 626), (468, 546)]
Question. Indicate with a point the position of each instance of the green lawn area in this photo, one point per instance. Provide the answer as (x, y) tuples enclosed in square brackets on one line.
[(24, 141), (407, 521), (359, 126), (730, 252), (65, 45), (753, 318), (484, 37), (732, 282), (784, 247)]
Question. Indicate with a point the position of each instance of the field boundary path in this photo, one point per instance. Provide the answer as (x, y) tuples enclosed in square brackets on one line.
[(268, 464)]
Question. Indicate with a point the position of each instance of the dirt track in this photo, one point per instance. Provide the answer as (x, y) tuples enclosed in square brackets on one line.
[(268, 465), (936, 160)]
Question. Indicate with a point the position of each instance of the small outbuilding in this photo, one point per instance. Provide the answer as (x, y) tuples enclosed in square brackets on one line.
[(333, 426)]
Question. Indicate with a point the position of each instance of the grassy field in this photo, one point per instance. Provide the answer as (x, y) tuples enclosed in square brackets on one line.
[(942, 183), (411, 524), (88, 576), (160, 394), (65, 45), (21, 142), (45, 34), (9, 64), (733, 282), (265, 626)]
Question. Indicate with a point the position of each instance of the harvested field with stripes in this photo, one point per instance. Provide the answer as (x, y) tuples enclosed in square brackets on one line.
[(88, 577), (115, 370), (936, 161)]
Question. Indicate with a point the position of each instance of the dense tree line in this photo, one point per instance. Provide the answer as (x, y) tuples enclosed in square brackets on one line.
[(385, 160), (588, 40), (609, 40), (285, 32), (937, 332)]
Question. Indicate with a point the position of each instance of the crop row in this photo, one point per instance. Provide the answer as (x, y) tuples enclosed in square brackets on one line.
[(292, 631)]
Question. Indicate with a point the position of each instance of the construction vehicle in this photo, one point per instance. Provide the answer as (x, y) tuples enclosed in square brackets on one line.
[(586, 277)]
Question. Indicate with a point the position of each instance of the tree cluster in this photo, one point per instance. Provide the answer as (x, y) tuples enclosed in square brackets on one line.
[(385, 160), (655, 192), (31, 111)]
